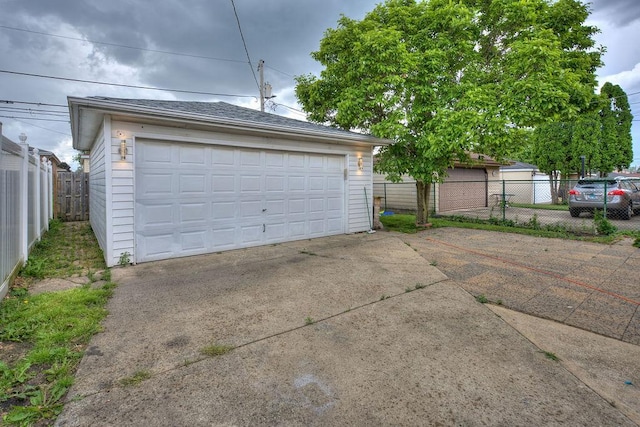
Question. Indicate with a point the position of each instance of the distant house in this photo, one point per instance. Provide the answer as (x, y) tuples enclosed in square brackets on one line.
[(173, 178), (526, 183), (467, 186)]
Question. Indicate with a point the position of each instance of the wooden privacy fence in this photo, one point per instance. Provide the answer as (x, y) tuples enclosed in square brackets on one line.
[(26, 205), (72, 198)]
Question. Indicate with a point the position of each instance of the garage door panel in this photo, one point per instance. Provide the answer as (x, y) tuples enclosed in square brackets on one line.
[(296, 229), (156, 215), (224, 238), (316, 226), (159, 245), (275, 160), (251, 234), (250, 209), (274, 183), (194, 212), (297, 206), (316, 162), (276, 231), (223, 210), (250, 159), (296, 183), (223, 184), (295, 161), (154, 154), (250, 184), (192, 155), (156, 184), (334, 225), (193, 241), (194, 184), (214, 198), (221, 156), (275, 207), (316, 205)]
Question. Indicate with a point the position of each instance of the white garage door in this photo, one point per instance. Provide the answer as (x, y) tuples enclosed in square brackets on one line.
[(194, 198)]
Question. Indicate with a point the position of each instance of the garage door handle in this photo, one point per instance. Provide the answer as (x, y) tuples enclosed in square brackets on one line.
[(264, 228)]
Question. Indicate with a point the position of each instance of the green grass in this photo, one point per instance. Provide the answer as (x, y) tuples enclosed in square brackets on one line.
[(67, 249), (405, 223), (216, 350), (548, 207), (43, 336), (135, 379)]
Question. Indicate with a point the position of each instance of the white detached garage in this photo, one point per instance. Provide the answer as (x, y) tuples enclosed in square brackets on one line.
[(172, 178)]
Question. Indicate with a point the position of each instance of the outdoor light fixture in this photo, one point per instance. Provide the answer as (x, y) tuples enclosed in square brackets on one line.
[(360, 163), (123, 149)]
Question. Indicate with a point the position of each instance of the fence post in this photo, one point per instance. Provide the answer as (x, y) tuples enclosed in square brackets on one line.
[(50, 191), (36, 195), (384, 185), (504, 202), (605, 199), (24, 199)]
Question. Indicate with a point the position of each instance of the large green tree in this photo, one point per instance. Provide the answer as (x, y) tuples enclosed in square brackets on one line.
[(616, 151), (444, 78), (601, 133)]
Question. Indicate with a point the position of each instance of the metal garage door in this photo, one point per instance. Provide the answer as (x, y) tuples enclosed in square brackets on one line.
[(193, 198), (463, 189)]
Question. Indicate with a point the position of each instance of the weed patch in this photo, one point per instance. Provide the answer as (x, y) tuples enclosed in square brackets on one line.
[(216, 350), (135, 379), (43, 336), (482, 299)]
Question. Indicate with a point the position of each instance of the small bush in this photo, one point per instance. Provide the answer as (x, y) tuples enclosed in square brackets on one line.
[(603, 225)]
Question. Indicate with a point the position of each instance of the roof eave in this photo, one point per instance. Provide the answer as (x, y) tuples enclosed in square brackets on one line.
[(103, 107)]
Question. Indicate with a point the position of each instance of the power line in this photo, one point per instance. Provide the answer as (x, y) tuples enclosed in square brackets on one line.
[(34, 111), (34, 118), (122, 45), (5, 101), (43, 128), (281, 72), (244, 43), (123, 85)]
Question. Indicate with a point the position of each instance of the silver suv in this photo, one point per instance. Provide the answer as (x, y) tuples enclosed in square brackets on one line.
[(622, 197)]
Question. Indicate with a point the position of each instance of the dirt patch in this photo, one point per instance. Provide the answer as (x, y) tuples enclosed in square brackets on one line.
[(10, 352)]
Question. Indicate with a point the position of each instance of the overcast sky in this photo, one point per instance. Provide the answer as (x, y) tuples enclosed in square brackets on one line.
[(85, 40)]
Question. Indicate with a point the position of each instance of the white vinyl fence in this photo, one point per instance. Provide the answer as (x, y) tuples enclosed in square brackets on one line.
[(26, 205)]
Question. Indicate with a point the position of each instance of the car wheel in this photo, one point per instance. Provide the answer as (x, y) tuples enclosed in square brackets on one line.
[(627, 212), (574, 212)]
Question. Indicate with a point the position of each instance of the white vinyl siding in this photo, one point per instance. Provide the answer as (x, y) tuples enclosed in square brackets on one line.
[(97, 193), (360, 192), (122, 202)]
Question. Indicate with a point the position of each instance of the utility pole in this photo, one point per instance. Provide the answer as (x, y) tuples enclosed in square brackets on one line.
[(261, 71), (265, 88)]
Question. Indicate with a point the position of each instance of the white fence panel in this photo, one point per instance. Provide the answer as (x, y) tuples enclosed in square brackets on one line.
[(25, 205)]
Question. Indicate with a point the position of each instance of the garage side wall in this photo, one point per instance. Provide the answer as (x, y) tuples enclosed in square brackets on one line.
[(98, 191), (122, 203), (360, 197)]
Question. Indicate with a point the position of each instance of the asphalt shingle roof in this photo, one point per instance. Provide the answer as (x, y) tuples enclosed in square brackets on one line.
[(226, 111)]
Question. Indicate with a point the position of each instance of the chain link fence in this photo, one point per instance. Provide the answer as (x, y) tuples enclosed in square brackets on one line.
[(527, 203)]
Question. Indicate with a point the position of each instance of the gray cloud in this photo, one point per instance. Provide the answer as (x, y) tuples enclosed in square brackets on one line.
[(617, 12), (282, 32)]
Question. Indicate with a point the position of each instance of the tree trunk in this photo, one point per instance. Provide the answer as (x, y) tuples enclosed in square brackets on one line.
[(553, 185), (423, 190)]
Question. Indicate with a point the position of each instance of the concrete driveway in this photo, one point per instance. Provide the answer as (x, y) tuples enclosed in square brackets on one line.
[(346, 330)]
